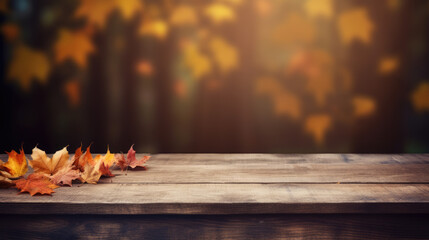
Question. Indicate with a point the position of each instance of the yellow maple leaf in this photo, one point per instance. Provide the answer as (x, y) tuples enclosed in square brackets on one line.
[(316, 8), (16, 165), (294, 29), (420, 97), (28, 64), (197, 62), (219, 13), (156, 28), (318, 67), (355, 24), (73, 45), (363, 106), (183, 15), (224, 54), (41, 163), (128, 7), (388, 65), (95, 11), (285, 102), (317, 125)]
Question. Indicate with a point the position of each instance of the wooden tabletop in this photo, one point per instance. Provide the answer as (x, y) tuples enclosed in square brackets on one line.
[(245, 184)]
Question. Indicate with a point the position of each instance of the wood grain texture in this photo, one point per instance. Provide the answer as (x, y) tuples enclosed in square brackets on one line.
[(215, 227), (222, 199), (245, 184)]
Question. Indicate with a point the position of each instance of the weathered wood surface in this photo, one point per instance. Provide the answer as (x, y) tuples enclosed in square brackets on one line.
[(245, 184), (302, 226)]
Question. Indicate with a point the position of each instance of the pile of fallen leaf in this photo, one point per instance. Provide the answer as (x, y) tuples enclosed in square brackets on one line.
[(61, 170)]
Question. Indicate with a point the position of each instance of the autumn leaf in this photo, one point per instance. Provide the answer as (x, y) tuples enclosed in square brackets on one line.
[(36, 183), (420, 97), (319, 8), (145, 68), (317, 125), (285, 102), (363, 106), (130, 160), (65, 175), (183, 15), (5, 182), (128, 8), (197, 62), (73, 45), (28, 64), (155, 28), (388, 65), (318, 67), (10, 31), (81, 160), (105, 170), (76, 157), (41, 163), (219, 13), (225, 55), (16, 166), (95, 11), (355, 24), (106, 162), (294, 30), (91, 173), (72, 90)]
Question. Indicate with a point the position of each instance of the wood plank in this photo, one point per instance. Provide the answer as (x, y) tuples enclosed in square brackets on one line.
[(215, 227), (228, 159), (221, 199), (280, 173), (256, 158)]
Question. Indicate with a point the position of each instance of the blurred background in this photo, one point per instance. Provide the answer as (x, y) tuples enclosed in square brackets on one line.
[(282, 76)]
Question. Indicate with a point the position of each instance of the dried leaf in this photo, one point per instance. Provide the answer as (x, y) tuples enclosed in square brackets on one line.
[(183, 15), (363, 106), (65, 176), (91, 173), (155, 28), (36, 183), (319, 8), (73, 45), (355, 24), (130, 160), (16, 165), (197, 62), (388, 65), (76, 158), (225, 55), (317, 125), (420, 97), (219, 13), (43, 164), (28, 64)]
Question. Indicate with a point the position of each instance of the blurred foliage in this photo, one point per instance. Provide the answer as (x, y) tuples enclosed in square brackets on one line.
[(217, 76)]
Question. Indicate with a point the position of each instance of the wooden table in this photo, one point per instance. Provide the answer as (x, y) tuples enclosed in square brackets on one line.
[(244, 196)]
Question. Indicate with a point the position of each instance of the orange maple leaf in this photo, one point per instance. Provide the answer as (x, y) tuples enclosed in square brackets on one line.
[(73, 45), (41, 163), (91, 173), (36, 183), (16, 166), (80, 160)]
